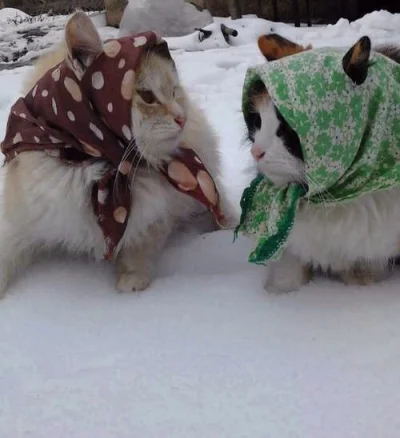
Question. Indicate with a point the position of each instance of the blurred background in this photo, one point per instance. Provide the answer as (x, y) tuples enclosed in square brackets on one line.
[(318, 11)]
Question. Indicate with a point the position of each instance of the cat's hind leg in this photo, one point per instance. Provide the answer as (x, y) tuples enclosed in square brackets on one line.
[(364, 273)]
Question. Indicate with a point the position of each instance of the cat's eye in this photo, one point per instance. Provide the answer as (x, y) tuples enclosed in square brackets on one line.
[(147, 96), (257, 121)]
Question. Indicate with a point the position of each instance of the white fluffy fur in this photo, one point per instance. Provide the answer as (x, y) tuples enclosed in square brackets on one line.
[(46, 204), (278, 164), (354, 240)]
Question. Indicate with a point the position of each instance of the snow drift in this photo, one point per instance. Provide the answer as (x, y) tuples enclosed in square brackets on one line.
[(166, 18)]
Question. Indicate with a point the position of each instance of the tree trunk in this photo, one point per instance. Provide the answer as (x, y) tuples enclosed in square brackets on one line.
[(259, 9), (275, 10), (1, 4), (234, 9), (296, 11)]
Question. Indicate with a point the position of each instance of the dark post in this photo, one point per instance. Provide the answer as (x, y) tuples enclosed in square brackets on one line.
[(275, 9), (234, 9), (296, 12), (259, 8), (308, 12)]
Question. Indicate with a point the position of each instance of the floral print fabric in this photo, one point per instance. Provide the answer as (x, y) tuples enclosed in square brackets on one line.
[(350, 137)]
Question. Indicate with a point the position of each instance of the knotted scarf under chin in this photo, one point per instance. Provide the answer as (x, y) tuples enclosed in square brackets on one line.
[(81, 122)]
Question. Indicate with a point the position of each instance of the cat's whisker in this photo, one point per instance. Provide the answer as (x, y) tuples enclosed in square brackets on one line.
[(128, 151), (138, 162)]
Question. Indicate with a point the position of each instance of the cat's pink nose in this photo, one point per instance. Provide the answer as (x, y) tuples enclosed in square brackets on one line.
[(257, 152), (180, 121)]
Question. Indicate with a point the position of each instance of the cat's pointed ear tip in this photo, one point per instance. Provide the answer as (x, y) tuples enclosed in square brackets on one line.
[(356, 61), (82, 41), (273, 47)]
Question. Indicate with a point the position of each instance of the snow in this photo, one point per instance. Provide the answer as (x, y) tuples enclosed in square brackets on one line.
[(9, 14), (24, 38), (205, 352), (167, 18), (382, 26)]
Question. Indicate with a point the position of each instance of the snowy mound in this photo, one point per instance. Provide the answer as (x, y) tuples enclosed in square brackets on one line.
[(166, 18), (383, 20), (380, 26), (23, 38), (8, 15), (248, 30)]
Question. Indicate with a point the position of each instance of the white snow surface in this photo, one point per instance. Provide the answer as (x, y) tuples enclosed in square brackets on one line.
[(23, 38), (205, 352), (167, 18), (10, 14)]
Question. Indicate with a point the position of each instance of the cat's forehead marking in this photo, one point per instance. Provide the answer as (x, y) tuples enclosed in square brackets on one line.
[(156, 73)]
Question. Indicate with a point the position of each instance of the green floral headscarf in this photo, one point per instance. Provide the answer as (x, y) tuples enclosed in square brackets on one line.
[(349, 134)]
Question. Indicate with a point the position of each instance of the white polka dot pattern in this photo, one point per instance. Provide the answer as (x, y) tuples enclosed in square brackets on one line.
[(182, 176), (97, 132), (54, 105), (73, 89), (127, 132), (139, 41), (17, 138), (102, 195), (98, 80), (125, 167), (54, 139), (112, 48), (120, 214), (56, 75), (90, 150), (207, 186), (127, 85)]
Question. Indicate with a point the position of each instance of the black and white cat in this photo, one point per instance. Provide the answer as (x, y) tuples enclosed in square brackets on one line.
[(354, 241)]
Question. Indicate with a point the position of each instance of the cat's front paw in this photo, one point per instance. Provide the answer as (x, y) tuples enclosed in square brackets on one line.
[(133, 281), (284, 279)]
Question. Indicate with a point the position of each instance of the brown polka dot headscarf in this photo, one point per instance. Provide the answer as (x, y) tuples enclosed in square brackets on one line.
[(84, 121)]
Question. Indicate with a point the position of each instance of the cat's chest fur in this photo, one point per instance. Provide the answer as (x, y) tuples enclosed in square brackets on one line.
[(333, 237), (54, 203)]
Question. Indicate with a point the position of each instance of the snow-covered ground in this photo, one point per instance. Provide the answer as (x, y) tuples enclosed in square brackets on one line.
[(205, 352)]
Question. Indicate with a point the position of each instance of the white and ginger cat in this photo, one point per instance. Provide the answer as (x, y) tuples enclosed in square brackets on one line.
[(355, 241), (46, 204)]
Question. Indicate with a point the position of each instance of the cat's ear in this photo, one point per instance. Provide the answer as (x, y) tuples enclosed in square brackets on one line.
[(356, 60), (274, 47), (83, 42)]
